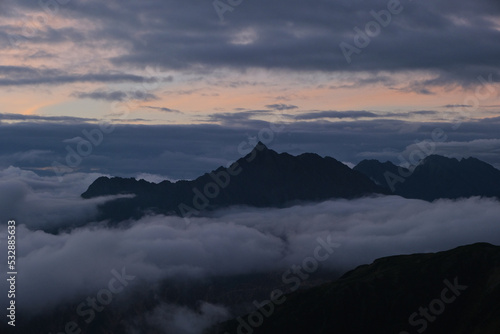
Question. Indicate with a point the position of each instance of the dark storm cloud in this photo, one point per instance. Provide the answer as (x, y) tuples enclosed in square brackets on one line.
[(116, 95), (440, 37)]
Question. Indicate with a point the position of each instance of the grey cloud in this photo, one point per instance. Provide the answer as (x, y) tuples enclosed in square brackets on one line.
[(436, 37), (452, 106), (237, 118), (484, 149), (168, 110), (63, 119), (337, 114), (100, 95), (281, 106), (197, 149), (41, 54), (64, 79), (23, 71), (25, 76), (399, 47), (44, 202), (240, 241), (409, 114), (116, 95), (419, 87), (31, 155), (168, 318), (424, 112), (128, 120)]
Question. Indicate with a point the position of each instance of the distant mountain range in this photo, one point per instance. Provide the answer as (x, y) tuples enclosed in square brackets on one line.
[(456, 291), (435, 177), (265, 178)]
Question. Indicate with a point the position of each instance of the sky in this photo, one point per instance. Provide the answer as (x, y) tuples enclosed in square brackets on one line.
[(173, 62), (181, 85)]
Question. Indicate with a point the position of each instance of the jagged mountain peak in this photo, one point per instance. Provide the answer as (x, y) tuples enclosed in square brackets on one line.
[(263, 178)]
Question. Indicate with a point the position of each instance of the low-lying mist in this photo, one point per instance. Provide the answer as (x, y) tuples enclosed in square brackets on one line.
[(60, 268)]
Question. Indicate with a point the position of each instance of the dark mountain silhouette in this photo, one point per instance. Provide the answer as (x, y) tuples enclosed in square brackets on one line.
[(375, 298), (436, 177), (377, 171), (456, 291), (263, 178)]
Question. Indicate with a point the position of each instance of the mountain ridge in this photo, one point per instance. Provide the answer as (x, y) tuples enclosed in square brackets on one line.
[(435, 177), (453, 291), (263, 178)]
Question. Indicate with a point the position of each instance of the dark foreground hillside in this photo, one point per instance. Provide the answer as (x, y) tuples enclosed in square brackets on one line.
[(456, 291)]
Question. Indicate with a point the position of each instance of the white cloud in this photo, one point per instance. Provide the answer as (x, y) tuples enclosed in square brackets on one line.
[(182, 320), (153, 178), (44, 202), (243, 240), (483, 149)]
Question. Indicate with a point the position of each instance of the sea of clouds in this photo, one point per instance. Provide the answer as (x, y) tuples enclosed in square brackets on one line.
[(57, 268)]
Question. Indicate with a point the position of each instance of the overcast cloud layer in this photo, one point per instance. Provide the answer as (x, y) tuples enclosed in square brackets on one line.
[(186, 152), (286, 34)]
